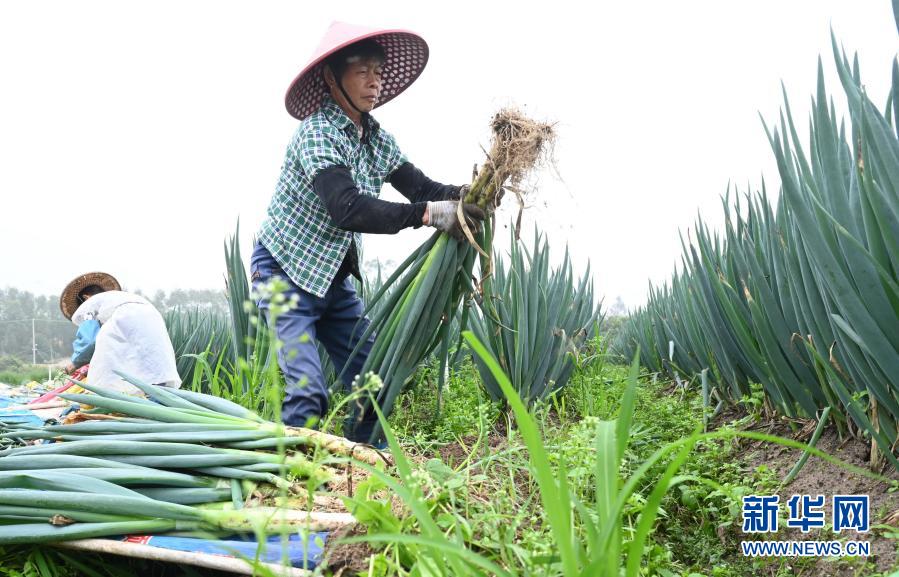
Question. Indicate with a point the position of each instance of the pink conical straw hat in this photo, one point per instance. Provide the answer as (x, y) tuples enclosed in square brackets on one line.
[(406, 54)]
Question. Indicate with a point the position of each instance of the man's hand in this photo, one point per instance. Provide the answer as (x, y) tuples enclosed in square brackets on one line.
[(70, 368), (443, 216)]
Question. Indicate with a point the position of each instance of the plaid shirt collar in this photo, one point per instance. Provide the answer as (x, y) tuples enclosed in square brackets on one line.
[(336, 116)]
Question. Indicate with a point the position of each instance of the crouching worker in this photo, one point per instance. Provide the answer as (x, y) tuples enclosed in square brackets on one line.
[(117, 331), (327, 194)]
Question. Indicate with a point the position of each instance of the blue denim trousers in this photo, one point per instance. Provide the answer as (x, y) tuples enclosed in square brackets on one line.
[(337, 322)]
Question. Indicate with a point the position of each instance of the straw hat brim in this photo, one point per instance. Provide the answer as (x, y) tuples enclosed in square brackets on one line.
[(68, 301)]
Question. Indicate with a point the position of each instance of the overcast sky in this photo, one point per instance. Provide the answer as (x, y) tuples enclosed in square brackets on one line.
[(134, 134)]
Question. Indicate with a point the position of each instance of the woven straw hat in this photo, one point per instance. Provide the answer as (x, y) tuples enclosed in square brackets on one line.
[(68, 301), (406, 54)]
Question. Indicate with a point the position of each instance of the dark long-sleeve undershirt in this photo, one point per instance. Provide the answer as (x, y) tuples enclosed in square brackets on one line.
[(355, 212), (414, 185)]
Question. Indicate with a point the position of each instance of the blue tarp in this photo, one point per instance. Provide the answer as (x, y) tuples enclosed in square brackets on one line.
[(271, 552), (19, 416)]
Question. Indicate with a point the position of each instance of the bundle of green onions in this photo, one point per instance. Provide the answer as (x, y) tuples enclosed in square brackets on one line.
[(140, 473), (61, 497), (425, 292), (171, 424)]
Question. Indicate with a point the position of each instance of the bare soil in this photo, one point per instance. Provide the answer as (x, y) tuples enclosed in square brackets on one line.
[(347, 558), (819, 477)]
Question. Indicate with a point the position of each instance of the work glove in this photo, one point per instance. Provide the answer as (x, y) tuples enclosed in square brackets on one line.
[(442, 215)]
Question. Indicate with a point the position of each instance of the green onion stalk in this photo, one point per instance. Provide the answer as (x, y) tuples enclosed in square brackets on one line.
[(423, 296), (41, 506)]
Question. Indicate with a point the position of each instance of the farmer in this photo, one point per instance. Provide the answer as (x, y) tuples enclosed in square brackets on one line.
[(327, 194), (118, 331)]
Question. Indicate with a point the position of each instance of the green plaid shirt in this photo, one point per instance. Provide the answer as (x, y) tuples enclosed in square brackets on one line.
[(298, 230)]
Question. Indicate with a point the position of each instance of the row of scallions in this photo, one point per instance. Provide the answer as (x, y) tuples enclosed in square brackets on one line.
[(797, 291), (423, 295), (177, 429), (40, 505)]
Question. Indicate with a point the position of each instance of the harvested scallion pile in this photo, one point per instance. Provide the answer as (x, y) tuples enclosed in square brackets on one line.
[(142, 472)]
